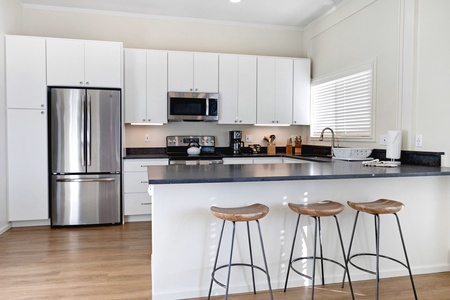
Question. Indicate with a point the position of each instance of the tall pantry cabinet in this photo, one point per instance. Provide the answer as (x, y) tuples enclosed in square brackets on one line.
[(26, 94)]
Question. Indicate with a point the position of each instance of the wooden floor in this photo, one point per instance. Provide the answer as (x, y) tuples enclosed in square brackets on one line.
[(113, 262)]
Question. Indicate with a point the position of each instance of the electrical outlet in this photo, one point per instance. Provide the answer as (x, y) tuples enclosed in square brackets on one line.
[(249, 138), (383, 139), (419, 140), (147, 137)]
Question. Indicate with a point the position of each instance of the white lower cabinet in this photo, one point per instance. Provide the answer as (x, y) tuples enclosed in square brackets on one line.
[(27, 165), (136, 200)]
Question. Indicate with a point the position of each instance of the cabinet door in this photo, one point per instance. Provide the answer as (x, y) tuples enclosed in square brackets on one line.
[(228, 89), (301, 108), (103, 64), (283, 91), (268, 160), (247, 90), (65, 62), (181, 71), (206, 72), (157, 86), (25, 72), (27, 169), (237, 161), (266, 91), (135, 86)]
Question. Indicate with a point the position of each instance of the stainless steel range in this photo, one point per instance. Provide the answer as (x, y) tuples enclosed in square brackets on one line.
[(177, 149)]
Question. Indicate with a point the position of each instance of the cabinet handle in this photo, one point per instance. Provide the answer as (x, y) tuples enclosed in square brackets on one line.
[(145, 203), (42, 112), (190, 90), (87, 82), (42, 105), (144, 181), (240, 121), (81, 82), (143, 120), (149, 120)]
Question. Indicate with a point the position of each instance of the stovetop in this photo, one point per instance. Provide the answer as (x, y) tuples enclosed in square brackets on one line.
[(176, 147)]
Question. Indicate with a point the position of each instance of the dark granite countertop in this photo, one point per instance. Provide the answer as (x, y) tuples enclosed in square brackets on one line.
[(175, 174)]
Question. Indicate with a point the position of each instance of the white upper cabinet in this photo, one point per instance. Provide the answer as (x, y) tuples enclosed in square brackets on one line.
[(26, 72), (193, 72), (302, 92), (84, 63), (145, 86), (274, 90), (237, 88)]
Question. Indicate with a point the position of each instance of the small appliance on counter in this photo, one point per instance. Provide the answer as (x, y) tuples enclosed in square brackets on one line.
[(236, 143)]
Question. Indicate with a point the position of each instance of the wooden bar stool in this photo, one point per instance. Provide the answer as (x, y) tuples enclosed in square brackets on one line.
[(317, 210), (377, 208), (246, 214)]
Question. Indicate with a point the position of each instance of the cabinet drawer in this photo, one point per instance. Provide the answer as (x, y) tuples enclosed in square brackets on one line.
[(139, 165), (137, 204), (135, 182)]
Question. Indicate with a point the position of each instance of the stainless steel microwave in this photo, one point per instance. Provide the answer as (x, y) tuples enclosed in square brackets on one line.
[(186, 106)]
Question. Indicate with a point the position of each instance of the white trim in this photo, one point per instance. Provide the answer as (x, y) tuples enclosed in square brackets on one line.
[(30, 223), (155, 17), (5, 228)]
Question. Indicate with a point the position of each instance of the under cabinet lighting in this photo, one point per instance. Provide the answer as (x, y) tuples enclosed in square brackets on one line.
[(235, 1), (278, 125)]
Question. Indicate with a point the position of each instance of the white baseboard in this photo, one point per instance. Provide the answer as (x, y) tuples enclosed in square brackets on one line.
[(30, 223), (137, 218), (5, 228)]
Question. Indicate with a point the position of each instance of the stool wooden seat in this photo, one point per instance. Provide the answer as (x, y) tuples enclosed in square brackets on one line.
[(246, 214), (241, 214), (324, 208), (380, 206), (317, 210), (377, 208)]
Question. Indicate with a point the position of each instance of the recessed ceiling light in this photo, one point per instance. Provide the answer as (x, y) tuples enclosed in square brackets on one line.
[(235, 1)]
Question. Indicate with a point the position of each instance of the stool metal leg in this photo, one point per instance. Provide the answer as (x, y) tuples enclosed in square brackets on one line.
[(231, 259), (350, 246), (345, 258), (251, 257), (292, 252), (314, 257), (377, 246), (215, 262), (321, 251), (265, 260), (406, 257)]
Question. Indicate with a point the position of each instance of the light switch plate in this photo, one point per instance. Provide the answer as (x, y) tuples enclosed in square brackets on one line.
[(249, 138)]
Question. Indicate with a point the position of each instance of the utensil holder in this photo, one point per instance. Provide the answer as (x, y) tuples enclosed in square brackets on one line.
[(271, 148)]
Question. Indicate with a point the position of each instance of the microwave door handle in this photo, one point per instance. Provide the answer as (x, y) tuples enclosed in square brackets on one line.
[(88, 131), (207, 107)]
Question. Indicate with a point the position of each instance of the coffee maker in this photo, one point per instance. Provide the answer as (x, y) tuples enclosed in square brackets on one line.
[(236, 143)]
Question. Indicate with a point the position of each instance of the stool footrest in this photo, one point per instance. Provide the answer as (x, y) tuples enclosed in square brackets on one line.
[(312, 257), (373, 254), (233, 265)]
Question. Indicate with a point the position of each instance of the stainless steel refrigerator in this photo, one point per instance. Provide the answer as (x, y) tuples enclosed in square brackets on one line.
[(85, 156)]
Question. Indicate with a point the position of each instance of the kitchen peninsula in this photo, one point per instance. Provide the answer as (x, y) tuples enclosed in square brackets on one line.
[(185, 234)]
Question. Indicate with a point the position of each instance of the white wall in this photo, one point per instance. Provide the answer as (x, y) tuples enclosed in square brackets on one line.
[(10, 22), (137, 31), (407, 40), (433, 76)]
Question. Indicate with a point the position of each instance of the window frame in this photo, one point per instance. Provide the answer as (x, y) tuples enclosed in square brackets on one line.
[(341, 75)]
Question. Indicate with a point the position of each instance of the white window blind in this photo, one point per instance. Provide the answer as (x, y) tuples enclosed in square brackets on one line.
[(345, 105)]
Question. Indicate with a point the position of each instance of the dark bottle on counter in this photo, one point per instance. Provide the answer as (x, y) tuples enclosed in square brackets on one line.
[(298, 145)]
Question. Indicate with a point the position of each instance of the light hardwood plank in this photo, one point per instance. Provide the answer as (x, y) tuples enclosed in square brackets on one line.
[(113, 262)]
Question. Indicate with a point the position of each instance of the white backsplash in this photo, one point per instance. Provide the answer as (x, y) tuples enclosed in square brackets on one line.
[(134, 136)]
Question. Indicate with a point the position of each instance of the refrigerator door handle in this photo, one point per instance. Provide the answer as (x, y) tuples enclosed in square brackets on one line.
[(88, 131), (83, 159), (85, 180)]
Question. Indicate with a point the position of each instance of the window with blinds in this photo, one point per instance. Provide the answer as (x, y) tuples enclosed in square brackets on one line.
[(344, 104)]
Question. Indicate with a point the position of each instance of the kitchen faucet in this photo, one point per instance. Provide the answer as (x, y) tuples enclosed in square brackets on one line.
[(332, 137)]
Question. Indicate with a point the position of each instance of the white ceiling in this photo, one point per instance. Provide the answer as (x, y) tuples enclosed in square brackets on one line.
[(291, 13)]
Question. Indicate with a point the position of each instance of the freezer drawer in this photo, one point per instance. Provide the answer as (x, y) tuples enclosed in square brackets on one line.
[(85, 199)]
